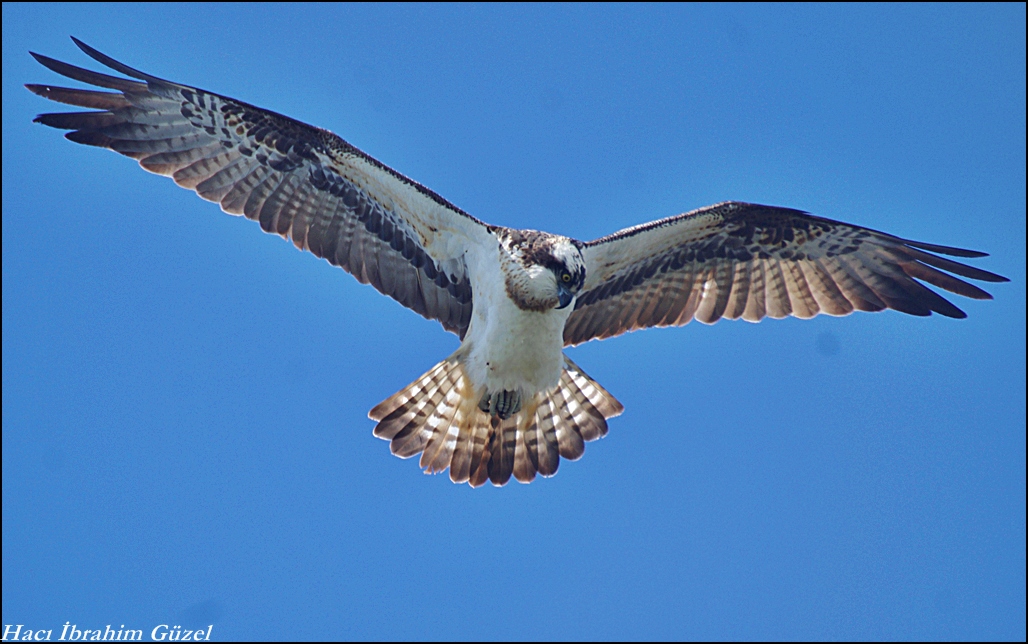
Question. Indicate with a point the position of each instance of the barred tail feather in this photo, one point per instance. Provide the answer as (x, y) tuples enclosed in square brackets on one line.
[(438, 416)]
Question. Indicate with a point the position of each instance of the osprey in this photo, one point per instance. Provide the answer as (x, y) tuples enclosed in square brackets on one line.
[(508, 401)]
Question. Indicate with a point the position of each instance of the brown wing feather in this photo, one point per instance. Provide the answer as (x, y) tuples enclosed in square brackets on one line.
[(300, 182), (737, 260)]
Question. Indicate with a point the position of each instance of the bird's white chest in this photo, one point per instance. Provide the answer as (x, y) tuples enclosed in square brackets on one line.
[(508, 348)]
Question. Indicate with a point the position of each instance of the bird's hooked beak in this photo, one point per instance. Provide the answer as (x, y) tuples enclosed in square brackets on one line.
[(564, 295)]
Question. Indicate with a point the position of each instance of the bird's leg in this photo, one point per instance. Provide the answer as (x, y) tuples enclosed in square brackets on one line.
[(502, 404)]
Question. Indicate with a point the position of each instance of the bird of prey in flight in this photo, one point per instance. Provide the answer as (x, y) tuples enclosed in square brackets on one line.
[(508, 401)]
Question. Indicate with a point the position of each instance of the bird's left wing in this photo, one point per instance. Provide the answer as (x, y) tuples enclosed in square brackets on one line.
[(744, 260), (301, 182)]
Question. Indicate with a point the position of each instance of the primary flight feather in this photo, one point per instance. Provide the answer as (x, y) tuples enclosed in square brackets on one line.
[(508, 401)]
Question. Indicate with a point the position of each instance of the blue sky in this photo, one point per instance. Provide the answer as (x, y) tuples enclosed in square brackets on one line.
[(184, 398)]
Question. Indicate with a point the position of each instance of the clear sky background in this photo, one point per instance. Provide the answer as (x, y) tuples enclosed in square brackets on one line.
[(185, 437)]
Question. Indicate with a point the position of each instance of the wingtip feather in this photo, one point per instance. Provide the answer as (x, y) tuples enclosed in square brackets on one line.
[(87, 75), (107, 61), (946, 250)]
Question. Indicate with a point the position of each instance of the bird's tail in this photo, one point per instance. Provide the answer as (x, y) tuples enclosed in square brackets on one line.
[(440, 416)]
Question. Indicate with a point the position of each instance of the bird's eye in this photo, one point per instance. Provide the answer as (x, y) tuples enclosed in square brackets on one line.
[(566, 277)]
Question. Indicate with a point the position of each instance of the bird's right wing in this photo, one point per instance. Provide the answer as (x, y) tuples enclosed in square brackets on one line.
[(301, 182)]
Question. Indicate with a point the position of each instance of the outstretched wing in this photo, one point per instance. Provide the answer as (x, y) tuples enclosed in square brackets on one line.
[(745, 260), (301, 182)]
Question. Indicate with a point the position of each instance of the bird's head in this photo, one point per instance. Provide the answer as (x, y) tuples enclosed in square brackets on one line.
[(544, 271)]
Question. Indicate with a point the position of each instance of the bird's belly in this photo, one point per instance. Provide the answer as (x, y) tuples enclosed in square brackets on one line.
[(509, 349)]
